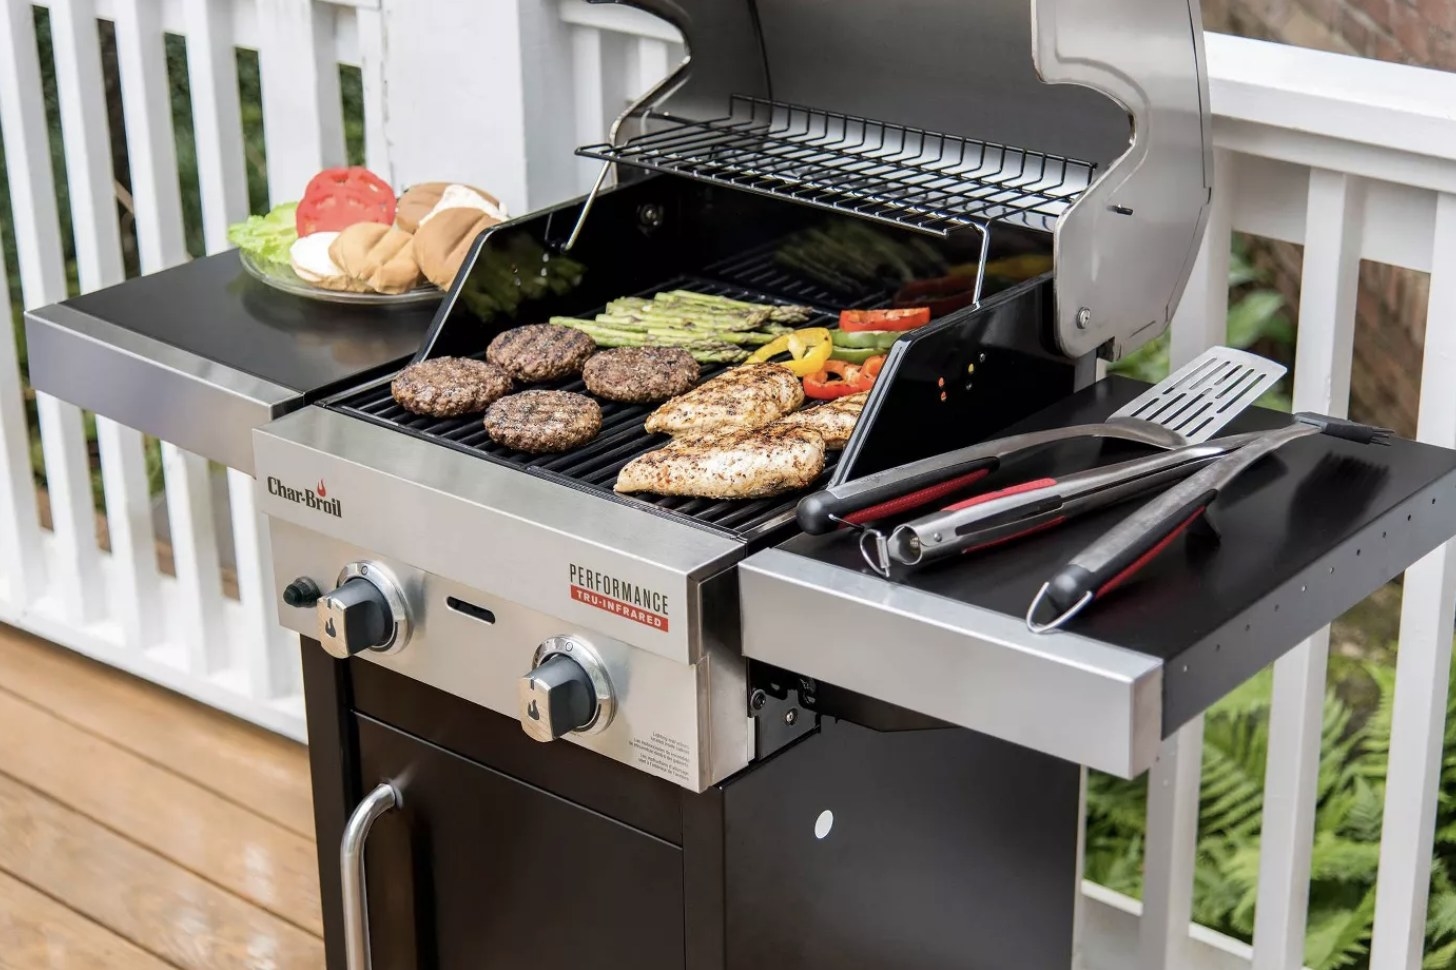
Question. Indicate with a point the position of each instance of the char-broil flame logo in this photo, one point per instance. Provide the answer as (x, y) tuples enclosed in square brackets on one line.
[(313, 498)]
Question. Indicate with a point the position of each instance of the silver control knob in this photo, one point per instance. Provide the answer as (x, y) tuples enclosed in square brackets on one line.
[(566, 692), (366, 612)]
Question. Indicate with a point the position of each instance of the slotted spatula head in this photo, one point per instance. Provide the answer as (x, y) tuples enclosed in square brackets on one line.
[(1198, 399)]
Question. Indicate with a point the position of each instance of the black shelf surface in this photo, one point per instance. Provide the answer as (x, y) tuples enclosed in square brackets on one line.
[(212, 308), (1306, 534)]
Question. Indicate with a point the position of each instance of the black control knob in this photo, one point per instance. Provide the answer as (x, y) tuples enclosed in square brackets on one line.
[(557, 698), (356, 616), (301, 592)]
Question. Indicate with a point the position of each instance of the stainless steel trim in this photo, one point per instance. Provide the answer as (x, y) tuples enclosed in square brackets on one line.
[(697, 712), (143, 383), (382, 799), (1072, 697), (585, 656), (514, 535)]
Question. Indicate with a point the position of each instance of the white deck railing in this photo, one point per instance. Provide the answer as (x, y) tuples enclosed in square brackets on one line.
[(1353, 159)]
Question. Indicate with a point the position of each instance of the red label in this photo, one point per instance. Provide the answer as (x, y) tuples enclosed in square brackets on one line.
[(605, 603)]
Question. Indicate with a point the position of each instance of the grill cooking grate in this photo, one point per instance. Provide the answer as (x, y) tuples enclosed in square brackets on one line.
[(922, 180), (593, 466)]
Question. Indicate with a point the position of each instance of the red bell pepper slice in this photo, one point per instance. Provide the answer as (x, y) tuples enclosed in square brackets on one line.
[(905, 318)]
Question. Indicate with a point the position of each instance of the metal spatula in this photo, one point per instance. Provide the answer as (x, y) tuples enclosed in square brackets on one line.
[(1188, 407)]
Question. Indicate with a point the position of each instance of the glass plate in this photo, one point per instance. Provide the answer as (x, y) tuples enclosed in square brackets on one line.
[(281, 277)]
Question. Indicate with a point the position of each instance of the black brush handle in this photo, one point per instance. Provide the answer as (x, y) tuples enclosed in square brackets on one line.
[(1122, 553), (882, 496)]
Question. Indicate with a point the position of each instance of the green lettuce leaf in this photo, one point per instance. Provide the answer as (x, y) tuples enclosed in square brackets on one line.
[(266, 238)]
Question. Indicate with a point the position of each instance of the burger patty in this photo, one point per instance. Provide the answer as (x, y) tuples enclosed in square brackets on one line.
[(445, 387), (541, 351), (543, 421), (640, 375)]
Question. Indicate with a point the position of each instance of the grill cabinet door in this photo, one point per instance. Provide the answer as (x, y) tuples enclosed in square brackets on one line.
[(478, 870)]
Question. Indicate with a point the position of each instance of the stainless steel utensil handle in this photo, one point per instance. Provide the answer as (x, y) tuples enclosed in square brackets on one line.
[(382, 799)]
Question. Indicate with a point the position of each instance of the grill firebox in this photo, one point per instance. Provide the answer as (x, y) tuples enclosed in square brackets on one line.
[(594, 466)]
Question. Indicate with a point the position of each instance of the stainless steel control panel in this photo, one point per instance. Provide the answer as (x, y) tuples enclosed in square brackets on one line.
[(687, 723)]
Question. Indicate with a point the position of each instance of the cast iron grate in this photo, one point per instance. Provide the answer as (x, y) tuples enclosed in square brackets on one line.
[(922, 180), (594, 466)]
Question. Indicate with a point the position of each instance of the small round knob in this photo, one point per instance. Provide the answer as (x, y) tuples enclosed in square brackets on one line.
[(567, 692), (556, 699), (366, 612), (301, 592)]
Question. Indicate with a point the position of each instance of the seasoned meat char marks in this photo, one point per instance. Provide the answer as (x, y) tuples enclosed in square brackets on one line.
[(744, 397), (446, 387), (543, 421), (640, 375), (730, 463), (834, 420), (541, 352)]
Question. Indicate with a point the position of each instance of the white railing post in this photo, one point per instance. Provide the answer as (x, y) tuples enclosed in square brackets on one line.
[(217, 121), (302, 112), (76, 582), (82, 91), (19, 527), (1334, 226), (1174, 782), (1423, 662)]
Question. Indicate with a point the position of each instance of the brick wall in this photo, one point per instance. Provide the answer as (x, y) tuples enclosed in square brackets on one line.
[(1392, 304)]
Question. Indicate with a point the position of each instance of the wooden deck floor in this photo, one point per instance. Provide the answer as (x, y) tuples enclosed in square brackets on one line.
[(141, 830)]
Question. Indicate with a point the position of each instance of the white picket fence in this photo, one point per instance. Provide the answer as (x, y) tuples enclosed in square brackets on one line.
[(1354, 159)]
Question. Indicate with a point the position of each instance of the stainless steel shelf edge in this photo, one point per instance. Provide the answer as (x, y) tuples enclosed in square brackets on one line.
[(1068, 696), (611, 567), (198, 404)]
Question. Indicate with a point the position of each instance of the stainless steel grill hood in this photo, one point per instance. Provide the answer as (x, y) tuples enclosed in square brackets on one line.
[(1121, 84)]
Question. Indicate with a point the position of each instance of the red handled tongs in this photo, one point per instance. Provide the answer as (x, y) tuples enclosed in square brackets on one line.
[(1120, 553)]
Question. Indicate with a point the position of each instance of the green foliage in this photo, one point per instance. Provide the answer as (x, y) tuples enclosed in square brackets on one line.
[(1346, 851)]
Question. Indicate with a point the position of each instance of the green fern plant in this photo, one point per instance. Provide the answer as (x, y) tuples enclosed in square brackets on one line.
[(1346, 852)]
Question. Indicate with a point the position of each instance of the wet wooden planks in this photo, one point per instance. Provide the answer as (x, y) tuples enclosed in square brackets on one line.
[(138, 829)]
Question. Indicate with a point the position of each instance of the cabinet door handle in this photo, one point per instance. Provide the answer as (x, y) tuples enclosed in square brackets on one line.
[(351, 867)]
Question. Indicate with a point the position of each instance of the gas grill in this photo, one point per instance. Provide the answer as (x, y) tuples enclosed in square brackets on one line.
[(761, 751)]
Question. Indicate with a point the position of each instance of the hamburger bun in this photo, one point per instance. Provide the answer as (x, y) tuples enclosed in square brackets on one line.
[(441, 245), (379, 256), (419, 200)]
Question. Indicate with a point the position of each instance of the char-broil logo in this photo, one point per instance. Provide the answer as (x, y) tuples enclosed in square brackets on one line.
[(618, 596), (314, 498)]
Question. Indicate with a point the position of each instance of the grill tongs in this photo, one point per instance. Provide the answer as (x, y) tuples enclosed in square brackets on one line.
[(1021, 510)]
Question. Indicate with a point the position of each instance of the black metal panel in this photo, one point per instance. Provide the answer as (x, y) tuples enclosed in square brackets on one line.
[(502, 874), (961, 379), (627, 795), (1307, 534), (948, 851), (211, 307), (333, 771)]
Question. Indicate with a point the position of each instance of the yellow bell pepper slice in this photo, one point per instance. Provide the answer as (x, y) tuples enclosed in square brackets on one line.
[(808, 349)]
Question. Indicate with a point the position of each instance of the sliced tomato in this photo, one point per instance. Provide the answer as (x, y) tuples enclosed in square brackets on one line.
[(904, 318), (338, 198)]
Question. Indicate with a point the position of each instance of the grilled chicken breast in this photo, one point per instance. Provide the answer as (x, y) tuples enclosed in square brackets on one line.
[(833, 421), (729, 463), (745, 397)]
